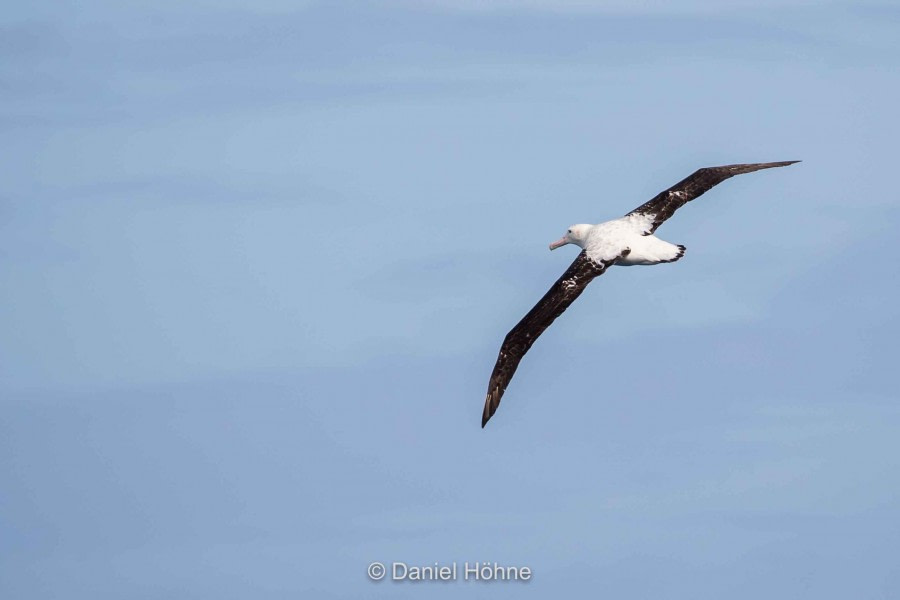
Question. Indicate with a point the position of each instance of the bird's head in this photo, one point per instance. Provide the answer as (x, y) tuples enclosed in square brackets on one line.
[(576, 234)]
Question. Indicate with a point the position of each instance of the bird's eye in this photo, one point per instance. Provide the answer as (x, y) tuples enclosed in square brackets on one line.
[(570, 231)]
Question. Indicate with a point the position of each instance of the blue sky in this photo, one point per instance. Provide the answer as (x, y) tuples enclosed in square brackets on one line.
[(256, 262)]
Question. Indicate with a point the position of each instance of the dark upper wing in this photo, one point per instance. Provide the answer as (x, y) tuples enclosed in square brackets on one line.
[(523, 335), (666, 203)]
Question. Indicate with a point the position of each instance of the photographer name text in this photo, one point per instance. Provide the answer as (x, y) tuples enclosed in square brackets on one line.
[(466, 571)]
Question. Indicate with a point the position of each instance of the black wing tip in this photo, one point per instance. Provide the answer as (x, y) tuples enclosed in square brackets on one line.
[(750, 167), (489, 409)]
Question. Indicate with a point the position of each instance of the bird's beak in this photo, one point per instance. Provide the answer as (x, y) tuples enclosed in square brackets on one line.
[(560, 242)]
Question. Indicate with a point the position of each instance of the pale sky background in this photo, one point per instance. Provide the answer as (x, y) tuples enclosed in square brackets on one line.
[(256, 261)]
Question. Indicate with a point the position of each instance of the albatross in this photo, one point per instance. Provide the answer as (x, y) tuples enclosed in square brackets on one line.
[(624, 242)]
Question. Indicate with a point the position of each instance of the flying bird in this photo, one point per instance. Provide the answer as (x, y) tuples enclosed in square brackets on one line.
[(627, 241)]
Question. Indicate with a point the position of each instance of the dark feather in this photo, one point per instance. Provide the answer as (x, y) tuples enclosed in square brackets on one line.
[(666, 203), (517, 342)]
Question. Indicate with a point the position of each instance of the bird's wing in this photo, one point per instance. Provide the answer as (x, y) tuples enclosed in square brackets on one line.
[(523, 335), (667, 202)]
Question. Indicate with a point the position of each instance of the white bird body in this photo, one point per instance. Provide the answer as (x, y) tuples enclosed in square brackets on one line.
[(629, 235)]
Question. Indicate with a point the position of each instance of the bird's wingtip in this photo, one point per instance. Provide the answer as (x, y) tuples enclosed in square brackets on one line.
[(489, 409), (780, 163)]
